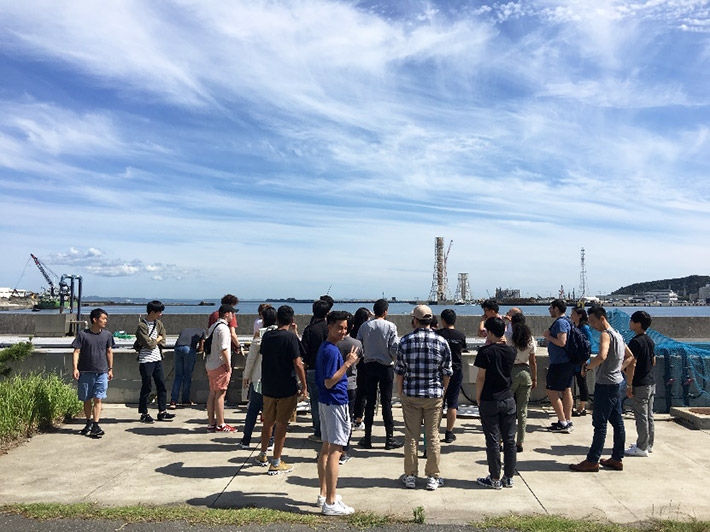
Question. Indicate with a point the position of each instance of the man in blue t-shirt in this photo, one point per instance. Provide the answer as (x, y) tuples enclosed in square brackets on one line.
[(561, 370), (332, 381)]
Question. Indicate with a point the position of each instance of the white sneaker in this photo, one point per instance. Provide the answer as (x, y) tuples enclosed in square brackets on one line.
[(650, 449), (432, 483), (337, 508), (635, 451), (321, 500), (410, 481)]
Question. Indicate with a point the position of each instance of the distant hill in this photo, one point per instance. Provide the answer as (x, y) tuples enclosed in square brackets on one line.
[(683, 286)]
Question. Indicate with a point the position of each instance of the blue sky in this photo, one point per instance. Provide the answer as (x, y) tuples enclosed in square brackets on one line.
[(273, 149)]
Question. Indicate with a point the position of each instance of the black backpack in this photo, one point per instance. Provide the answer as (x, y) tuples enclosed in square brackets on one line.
[(207, 347), (578, 348)]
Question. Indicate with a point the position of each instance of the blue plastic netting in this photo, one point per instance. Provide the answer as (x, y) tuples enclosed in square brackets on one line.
[(682, 370)]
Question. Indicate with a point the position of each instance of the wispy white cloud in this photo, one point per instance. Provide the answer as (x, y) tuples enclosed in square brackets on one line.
[(214, 141)]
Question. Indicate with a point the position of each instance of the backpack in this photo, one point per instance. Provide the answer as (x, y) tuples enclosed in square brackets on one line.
[(578, 348), (207, 346)]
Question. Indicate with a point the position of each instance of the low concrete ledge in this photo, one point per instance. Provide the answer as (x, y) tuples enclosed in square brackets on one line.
[(697, 417)]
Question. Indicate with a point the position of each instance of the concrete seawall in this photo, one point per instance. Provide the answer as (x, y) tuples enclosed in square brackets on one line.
[(696, 327)]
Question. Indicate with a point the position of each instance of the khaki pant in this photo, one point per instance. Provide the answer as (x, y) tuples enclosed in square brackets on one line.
[(418, 410)]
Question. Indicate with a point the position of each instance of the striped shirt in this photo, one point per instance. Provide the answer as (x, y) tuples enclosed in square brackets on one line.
[(423, 359), (147, 354)]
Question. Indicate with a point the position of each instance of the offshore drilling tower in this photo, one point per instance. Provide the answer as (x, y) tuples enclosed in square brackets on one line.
[(440, 284)]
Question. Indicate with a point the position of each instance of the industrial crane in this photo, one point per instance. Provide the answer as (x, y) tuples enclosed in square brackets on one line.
[(59, 291), (45, 271)]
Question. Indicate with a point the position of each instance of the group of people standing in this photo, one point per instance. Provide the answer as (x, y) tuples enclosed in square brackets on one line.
[(342, 362)]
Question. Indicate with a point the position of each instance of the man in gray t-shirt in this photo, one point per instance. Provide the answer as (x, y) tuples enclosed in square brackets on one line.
[(607, 400), (93, 368)]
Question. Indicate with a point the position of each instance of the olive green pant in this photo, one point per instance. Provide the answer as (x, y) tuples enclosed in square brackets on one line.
[(522, 386)]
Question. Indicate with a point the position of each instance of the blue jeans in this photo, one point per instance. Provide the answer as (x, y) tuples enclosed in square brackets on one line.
[(313, 392), (256, 403), (184, 358), (607, 408), (148, 371)]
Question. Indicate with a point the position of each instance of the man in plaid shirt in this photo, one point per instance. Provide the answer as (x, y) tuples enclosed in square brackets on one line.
[(422, 371)]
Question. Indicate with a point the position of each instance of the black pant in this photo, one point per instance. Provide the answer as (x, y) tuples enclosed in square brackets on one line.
[(152, 370), (582, 384), (382, 377), (359, 406), (498, 420)]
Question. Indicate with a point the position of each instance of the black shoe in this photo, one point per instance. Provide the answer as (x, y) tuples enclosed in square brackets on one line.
[(165, 416), (87, 428), (579, 413), (365, 443), (393, 443), (96, 431), (449, 437), (146, 418)]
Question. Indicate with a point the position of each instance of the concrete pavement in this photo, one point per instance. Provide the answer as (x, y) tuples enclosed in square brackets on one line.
[(180, 463)]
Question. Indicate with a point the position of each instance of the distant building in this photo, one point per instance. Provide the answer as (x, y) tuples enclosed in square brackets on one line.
[(704, 293), (7, 293), (507, 293), (666, 296)]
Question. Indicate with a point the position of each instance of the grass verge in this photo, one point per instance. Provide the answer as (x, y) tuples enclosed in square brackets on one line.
[(551, 523), (31, 403)]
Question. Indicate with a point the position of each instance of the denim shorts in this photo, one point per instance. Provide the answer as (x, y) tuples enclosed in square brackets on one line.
[(92, 385)]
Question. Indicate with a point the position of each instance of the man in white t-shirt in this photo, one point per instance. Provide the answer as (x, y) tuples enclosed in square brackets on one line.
[(219, 369)]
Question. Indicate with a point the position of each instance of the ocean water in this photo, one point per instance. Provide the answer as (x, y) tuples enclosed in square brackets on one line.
[(250, 307)]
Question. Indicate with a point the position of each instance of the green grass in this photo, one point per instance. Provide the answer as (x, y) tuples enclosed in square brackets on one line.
[(551, 523), (360, 520), (31, 403)]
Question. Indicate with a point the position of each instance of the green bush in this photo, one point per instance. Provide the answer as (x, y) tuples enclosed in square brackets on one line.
[(12, 353), (29, 403)]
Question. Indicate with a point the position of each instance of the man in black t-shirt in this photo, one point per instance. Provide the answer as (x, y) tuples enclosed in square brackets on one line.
[(457, 343), (642, 390), (280, 360), (496, 403)]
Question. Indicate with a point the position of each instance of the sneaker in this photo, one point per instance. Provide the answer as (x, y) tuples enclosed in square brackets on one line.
[(610, 463), (188, 403), (359, 425), (344, 458), (432, 483), (506, 482), (225, 428), (146, 418), (165, 416), (365, 443), (519, 448), (211, 428), (172, 405), (261, 459), (579, 413), (393, 443), (270, 446), (449, 437), (570, 427), (585, 466), (558, 427), (488, 482), (96, 431), (315, 439), (86, 428), (650, 449), (243, 445), (320, 501), (337, 508), (635, 451), (283, 467), (410, 481)]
